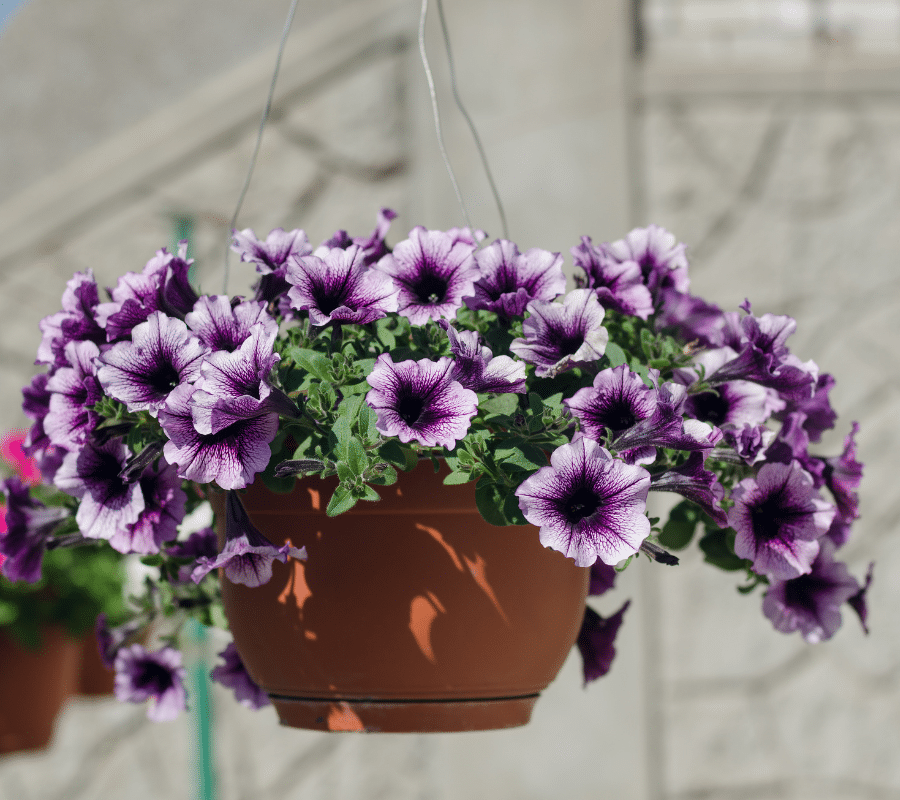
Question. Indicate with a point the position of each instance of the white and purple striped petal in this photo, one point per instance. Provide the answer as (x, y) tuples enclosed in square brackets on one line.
[(433, 272), (335, 284), (778, 516), (221, 325), (619, 284), (230, 458), (510, 279), (109, 505), (161, 356), (419, 401), (73, 389), (559, 336), (588, 504)]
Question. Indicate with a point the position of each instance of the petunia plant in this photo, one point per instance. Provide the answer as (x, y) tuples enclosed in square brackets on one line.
[(564, 405)]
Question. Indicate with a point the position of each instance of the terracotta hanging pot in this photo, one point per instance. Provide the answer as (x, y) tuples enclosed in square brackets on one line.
[(410, 614), (34, 684)]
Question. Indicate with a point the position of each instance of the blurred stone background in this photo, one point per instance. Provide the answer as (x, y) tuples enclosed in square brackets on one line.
[(765, 134)]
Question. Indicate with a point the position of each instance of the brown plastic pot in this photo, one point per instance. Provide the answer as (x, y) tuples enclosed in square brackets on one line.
[(95, 679), (411, 614), (34, 684)]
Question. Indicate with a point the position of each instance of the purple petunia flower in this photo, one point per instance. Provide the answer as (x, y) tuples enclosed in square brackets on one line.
[(237, 386), (842, 476), (778, 516), (222, 326), (619, 284), (111, 640), (247, 556), (161, 286), (373, 245), (559, 336), (272, 254), (158, 675), (270, 257), (596, 641), (29, 525), (588, 504), (762, 357), (433, 273), (419, 400), (233, 675), (75, 323), (617, 400), (73, 390), (698, 484), (666, 427), (691, 319), (658, 254), (229, 458), (476, 367), (109, 505), (818, 415), (510, 279), (161, 356), (811, 603), (164, 509), (336, 285), (200, 543), (749, 442)]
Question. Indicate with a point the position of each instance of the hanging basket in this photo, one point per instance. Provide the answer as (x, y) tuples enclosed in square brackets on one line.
[(34, 685), (411, 614)]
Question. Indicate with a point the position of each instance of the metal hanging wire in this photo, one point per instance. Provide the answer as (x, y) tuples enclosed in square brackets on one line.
[(459, 104), (262, 125)]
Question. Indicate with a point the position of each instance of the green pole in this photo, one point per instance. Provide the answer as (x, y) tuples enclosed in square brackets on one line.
[(201, 711), (198, 671)]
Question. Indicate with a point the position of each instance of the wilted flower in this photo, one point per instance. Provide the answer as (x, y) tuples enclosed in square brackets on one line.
[(478, 369), (28, 526), (247, 556), (596, 641), (233, 675)]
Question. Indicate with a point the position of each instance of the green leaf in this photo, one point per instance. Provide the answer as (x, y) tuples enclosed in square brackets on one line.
[(679, 529), (490, 499), (342, 500), (718, 549), (615, 354), (456, 478), (398, 455), (535, 403), (507, 403), (356, 388), (367, 421), (386, 477), (357, 459), (368, 493), (344, 472), (315, 363), (511, 510)]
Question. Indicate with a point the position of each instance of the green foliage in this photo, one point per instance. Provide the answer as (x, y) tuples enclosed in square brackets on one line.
[(76, 585)]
